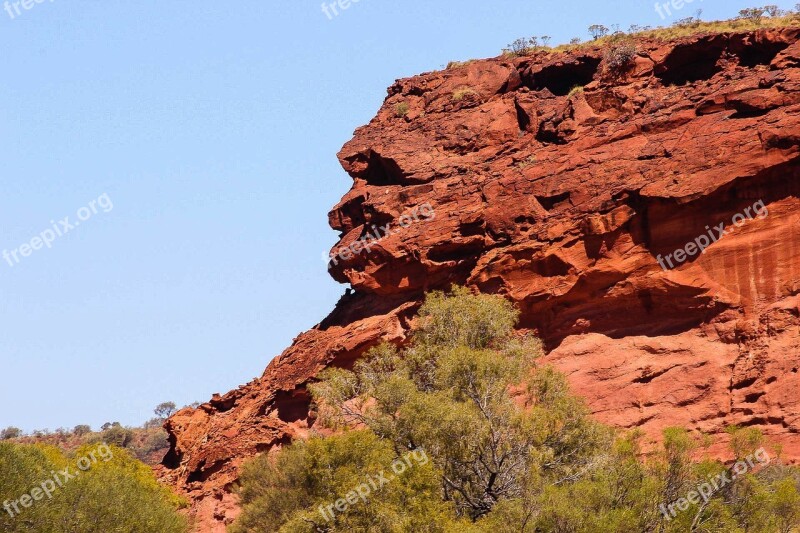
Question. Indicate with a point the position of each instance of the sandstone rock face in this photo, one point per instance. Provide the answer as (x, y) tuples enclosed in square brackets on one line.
[(567, 201)]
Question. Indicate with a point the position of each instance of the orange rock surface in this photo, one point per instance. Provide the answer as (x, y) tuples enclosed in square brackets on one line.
[(565, 200)]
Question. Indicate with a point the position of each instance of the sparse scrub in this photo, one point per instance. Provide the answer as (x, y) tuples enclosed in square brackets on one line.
[(522, 46), (81, 430), (686, 27), (620, 57), (527, 162), (456, 64), (578, 89), (463, 92), (118, 436), (753, 14), (690, 22), (401, 110), (10, 433), (519, 47), (148, 443)]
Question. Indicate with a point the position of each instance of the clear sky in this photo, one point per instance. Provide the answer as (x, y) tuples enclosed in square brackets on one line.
[(211, 128)]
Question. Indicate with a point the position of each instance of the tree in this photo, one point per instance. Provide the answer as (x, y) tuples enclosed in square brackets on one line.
[(772, 10), (10, 433), (519, 46), (744, 441), (786, 503), (753, 14), (546, 40), (165, 410), (118, 436), (115, 493), (448, 393), (81, 430), (154, 423), (290, 493), (508, 448), (615, 493), (597, 31)]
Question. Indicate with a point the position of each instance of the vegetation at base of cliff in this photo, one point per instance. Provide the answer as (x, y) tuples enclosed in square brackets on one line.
[(463, 431), (147, 443), (96, 489)]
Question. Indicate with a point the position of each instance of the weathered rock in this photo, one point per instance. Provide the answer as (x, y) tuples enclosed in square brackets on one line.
[(565, 201)]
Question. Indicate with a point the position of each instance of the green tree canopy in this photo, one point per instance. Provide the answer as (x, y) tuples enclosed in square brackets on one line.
[(109, 492), (510, 449)]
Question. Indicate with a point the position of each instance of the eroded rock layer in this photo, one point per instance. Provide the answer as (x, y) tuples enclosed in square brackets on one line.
[(565, 184)]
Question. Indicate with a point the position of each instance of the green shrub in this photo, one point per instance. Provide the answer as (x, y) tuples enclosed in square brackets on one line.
[(462, 92), (154, 440), (10, 433), (578, 89), (620, 57), (456, 64), (401, 110), (449, 394), (81, 430), (298, 490), (528, 463), (115, 494), (118, 436)]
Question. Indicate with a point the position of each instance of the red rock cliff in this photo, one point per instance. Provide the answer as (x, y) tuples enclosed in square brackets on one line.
[(565, 200)]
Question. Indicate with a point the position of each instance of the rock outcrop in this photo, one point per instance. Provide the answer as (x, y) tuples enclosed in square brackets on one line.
[(564, 181)]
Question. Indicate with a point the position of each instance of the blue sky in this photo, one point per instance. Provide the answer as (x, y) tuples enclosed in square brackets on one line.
[(212, 127)]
